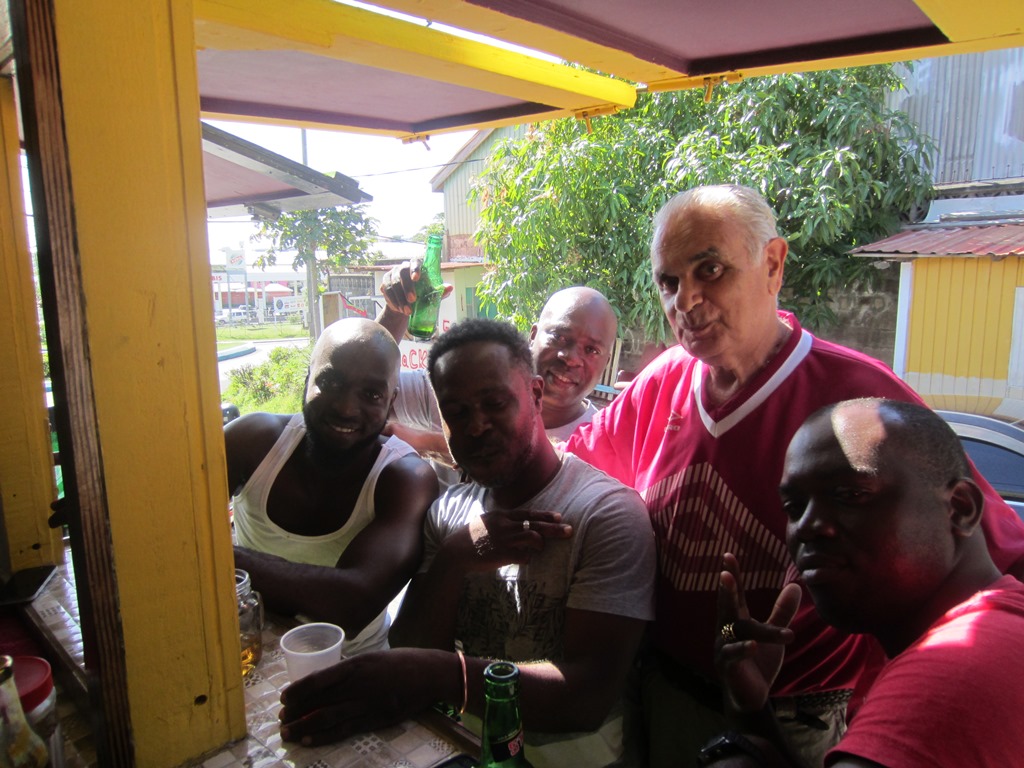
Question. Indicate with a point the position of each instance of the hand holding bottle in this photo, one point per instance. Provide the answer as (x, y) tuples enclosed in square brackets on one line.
[(399, 286), (413, 292)]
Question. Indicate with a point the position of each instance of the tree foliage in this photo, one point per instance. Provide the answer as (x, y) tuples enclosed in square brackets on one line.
[(435, 227), (345, 234), (564, 206)]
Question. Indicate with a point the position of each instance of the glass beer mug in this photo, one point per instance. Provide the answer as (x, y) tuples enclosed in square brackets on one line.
[(250, 622)]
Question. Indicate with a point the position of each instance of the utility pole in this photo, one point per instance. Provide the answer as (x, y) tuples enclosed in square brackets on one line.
[(312, 294)]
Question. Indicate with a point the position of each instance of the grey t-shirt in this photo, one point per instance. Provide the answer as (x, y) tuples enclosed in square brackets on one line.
[(518, 612), (608, 565), (416, 406)]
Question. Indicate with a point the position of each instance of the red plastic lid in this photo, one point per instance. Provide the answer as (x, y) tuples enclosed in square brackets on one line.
[(34, 679)]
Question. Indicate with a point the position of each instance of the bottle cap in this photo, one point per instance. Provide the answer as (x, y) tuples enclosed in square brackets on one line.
[(34, 680)]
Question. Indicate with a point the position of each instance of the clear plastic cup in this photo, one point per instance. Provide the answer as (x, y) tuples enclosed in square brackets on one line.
[(311, 647)]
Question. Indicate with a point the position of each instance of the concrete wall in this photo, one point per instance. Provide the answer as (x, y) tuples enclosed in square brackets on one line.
[(867, 319)]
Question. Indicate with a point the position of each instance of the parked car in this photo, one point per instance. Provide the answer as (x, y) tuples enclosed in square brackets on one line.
[(997, 450), (244, 314)]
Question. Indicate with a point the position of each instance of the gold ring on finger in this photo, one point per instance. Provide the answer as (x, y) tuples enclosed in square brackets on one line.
[(729, 632)]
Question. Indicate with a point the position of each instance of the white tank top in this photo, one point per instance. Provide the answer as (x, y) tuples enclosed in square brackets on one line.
[(255, 530)]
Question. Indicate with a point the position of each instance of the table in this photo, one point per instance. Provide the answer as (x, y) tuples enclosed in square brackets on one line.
[(422, 743)]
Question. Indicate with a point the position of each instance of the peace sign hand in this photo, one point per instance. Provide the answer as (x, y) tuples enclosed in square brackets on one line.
[(748, 653)]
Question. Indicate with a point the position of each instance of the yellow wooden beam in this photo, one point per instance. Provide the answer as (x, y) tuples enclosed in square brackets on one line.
[(883, 57), (26, 465), (326, 28), (403, 135), (972, 28), (406, 136), (966, 22), (464, 15), (128, 226)]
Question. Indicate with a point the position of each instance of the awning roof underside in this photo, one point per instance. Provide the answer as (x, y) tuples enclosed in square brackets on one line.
[(995, 240), (320, 63), (245, 179)]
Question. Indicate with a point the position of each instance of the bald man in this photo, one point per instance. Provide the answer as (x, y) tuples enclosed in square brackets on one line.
[(328, 513), (883, 527), (571, 344)]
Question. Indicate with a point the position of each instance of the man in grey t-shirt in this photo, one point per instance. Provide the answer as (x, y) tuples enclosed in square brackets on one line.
[(541, 560)]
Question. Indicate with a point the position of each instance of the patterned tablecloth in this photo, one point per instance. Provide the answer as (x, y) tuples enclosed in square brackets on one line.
[(408, 745)]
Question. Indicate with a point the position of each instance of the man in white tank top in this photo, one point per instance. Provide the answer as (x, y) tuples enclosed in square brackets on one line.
[(328, 513)]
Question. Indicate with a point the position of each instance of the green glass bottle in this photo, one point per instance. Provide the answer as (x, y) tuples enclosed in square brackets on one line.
[(502, 741), (429, 289)]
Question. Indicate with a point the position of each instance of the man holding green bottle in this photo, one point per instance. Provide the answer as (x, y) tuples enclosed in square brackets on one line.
[(564, 594)]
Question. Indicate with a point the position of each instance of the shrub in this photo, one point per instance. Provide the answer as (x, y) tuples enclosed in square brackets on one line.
[(274, 386)]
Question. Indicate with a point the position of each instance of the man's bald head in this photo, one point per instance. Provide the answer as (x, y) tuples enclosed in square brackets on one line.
[(358, 331), (601, 316), (866, 426), (571, 345)]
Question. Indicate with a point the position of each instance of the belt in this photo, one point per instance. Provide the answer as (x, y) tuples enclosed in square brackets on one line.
[(805, 708)]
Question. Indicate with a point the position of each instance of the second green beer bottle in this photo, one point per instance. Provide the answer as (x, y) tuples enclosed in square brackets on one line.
[(502, 740), (429, 289)]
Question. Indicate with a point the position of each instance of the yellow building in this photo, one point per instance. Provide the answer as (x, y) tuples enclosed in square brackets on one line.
[(960, 333)]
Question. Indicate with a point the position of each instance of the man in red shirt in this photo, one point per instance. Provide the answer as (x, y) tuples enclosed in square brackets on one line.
[(701, 434), (883, 529)]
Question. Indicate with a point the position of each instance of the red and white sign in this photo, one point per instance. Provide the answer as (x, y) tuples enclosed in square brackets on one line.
[(414, 353)]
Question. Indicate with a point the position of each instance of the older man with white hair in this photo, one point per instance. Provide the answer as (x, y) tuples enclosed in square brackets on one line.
[(701, 434)]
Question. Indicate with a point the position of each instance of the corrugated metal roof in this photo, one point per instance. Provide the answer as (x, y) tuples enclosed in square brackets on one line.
[(973, 108), (999, 240)]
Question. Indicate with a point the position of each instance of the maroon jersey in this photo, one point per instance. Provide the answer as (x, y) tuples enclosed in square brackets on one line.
[(710, 478)]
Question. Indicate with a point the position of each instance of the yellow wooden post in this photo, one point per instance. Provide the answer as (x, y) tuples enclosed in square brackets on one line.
[(112, 127), (26, 474)]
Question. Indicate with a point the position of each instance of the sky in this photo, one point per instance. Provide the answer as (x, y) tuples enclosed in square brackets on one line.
[(396, 174)]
